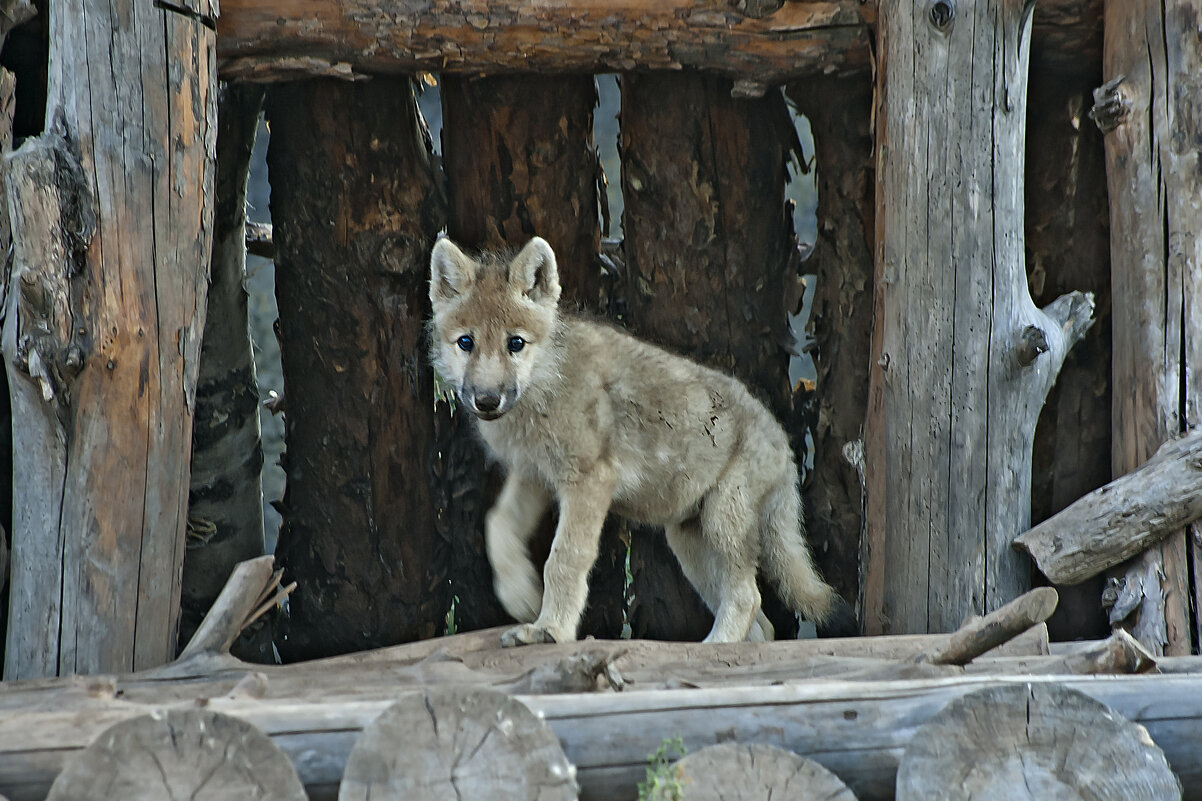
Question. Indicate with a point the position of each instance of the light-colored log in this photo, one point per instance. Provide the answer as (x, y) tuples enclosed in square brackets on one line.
[(1123, 518), (1032, 743), (982, 634), (962, 358), (441, 743), (183, 753), (750, 773)]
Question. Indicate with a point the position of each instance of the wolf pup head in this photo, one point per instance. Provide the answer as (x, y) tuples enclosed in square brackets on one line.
[(494, 317)]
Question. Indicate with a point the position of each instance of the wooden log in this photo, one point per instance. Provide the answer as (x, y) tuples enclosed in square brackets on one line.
[(112, 213), (959, 344), (1123, 518), (225, 498), (709, 246), (270, 39), (520, 160), (761, 41), (1152, 70), (440, 744), (1032, 742), (982, 634), (842, 261), (184, 753), (857, 730), (749, 772), (355, 207)]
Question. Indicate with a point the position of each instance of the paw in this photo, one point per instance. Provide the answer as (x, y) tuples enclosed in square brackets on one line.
[(520, 593), (526, 634)]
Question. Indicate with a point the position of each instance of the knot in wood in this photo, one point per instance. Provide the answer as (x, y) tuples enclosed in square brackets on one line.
[(1031, 344), (941, 14), (1110, 107)]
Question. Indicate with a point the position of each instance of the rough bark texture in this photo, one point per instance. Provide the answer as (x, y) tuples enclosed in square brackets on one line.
[(710, 268), (266, 40), (520, 161), (840, 114), (1150, 110), (225, 502), (355, 206), (1068, 247), (8, 98), (1030, 743), (111, 211), (965, 358)]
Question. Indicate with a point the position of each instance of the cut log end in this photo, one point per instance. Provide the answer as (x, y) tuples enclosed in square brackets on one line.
[(1033, 742), (194, 753), (750, 771), (450, 743)]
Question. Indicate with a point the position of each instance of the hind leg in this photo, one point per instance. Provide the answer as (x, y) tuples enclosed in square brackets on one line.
[(725, 579)]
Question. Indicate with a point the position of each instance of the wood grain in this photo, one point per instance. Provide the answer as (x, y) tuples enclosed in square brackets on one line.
[(752, 773)]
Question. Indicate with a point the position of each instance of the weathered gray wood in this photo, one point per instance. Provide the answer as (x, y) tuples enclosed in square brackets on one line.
[(1123, 518), (1148, 108), (107, 329), (250, 585), (195, 754), (982, 634), (854, 729), (733, 772), (1037, 742), (442, 743), (962, 359)]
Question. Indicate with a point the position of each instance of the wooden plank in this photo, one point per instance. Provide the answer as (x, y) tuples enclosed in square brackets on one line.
[(355, 208), (131, 111), (965, 358), (1153, 70), (270, 39)]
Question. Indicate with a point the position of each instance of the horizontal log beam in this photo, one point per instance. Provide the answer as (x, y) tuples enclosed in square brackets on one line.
[(756, 42)]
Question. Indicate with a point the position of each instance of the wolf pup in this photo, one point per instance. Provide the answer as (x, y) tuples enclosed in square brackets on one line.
[(589, 417)]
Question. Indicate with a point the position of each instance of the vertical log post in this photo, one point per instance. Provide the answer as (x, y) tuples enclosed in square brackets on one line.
[(355, 208), (962, 358), (225, 502), (842, 302), (520, 161), (711, 261), (1068, 246), (111, 212), (1149, 111)]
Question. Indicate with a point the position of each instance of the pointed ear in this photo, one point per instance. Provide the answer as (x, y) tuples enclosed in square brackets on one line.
[(451, 271), (535, 272)]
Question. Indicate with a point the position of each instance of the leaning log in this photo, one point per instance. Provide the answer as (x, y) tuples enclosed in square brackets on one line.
[(1123, 518)]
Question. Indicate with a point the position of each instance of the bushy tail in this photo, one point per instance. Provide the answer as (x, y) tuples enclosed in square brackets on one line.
[(787, 560)]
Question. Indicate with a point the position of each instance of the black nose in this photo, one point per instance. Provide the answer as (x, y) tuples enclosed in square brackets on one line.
[(488, 402)]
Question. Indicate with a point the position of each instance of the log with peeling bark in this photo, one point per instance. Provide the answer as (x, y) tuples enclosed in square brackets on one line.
[(1122, 518)]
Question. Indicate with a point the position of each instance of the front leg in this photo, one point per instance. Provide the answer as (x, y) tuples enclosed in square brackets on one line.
[(582, 509), (507, 531)]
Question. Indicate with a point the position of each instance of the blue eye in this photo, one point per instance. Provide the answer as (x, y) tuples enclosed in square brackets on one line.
[(465, 343), (515, 344)]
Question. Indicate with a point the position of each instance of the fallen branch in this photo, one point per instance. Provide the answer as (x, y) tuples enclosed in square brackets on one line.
[(1123, 518)]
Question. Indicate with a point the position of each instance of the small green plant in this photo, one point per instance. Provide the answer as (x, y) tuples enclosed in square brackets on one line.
[(664, 780), (452, 627)]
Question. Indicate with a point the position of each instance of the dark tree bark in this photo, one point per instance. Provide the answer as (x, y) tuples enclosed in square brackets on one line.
[(355, 206), (1068, 246), (520, 161), (225, 502), (840, 113), (710, 265)]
